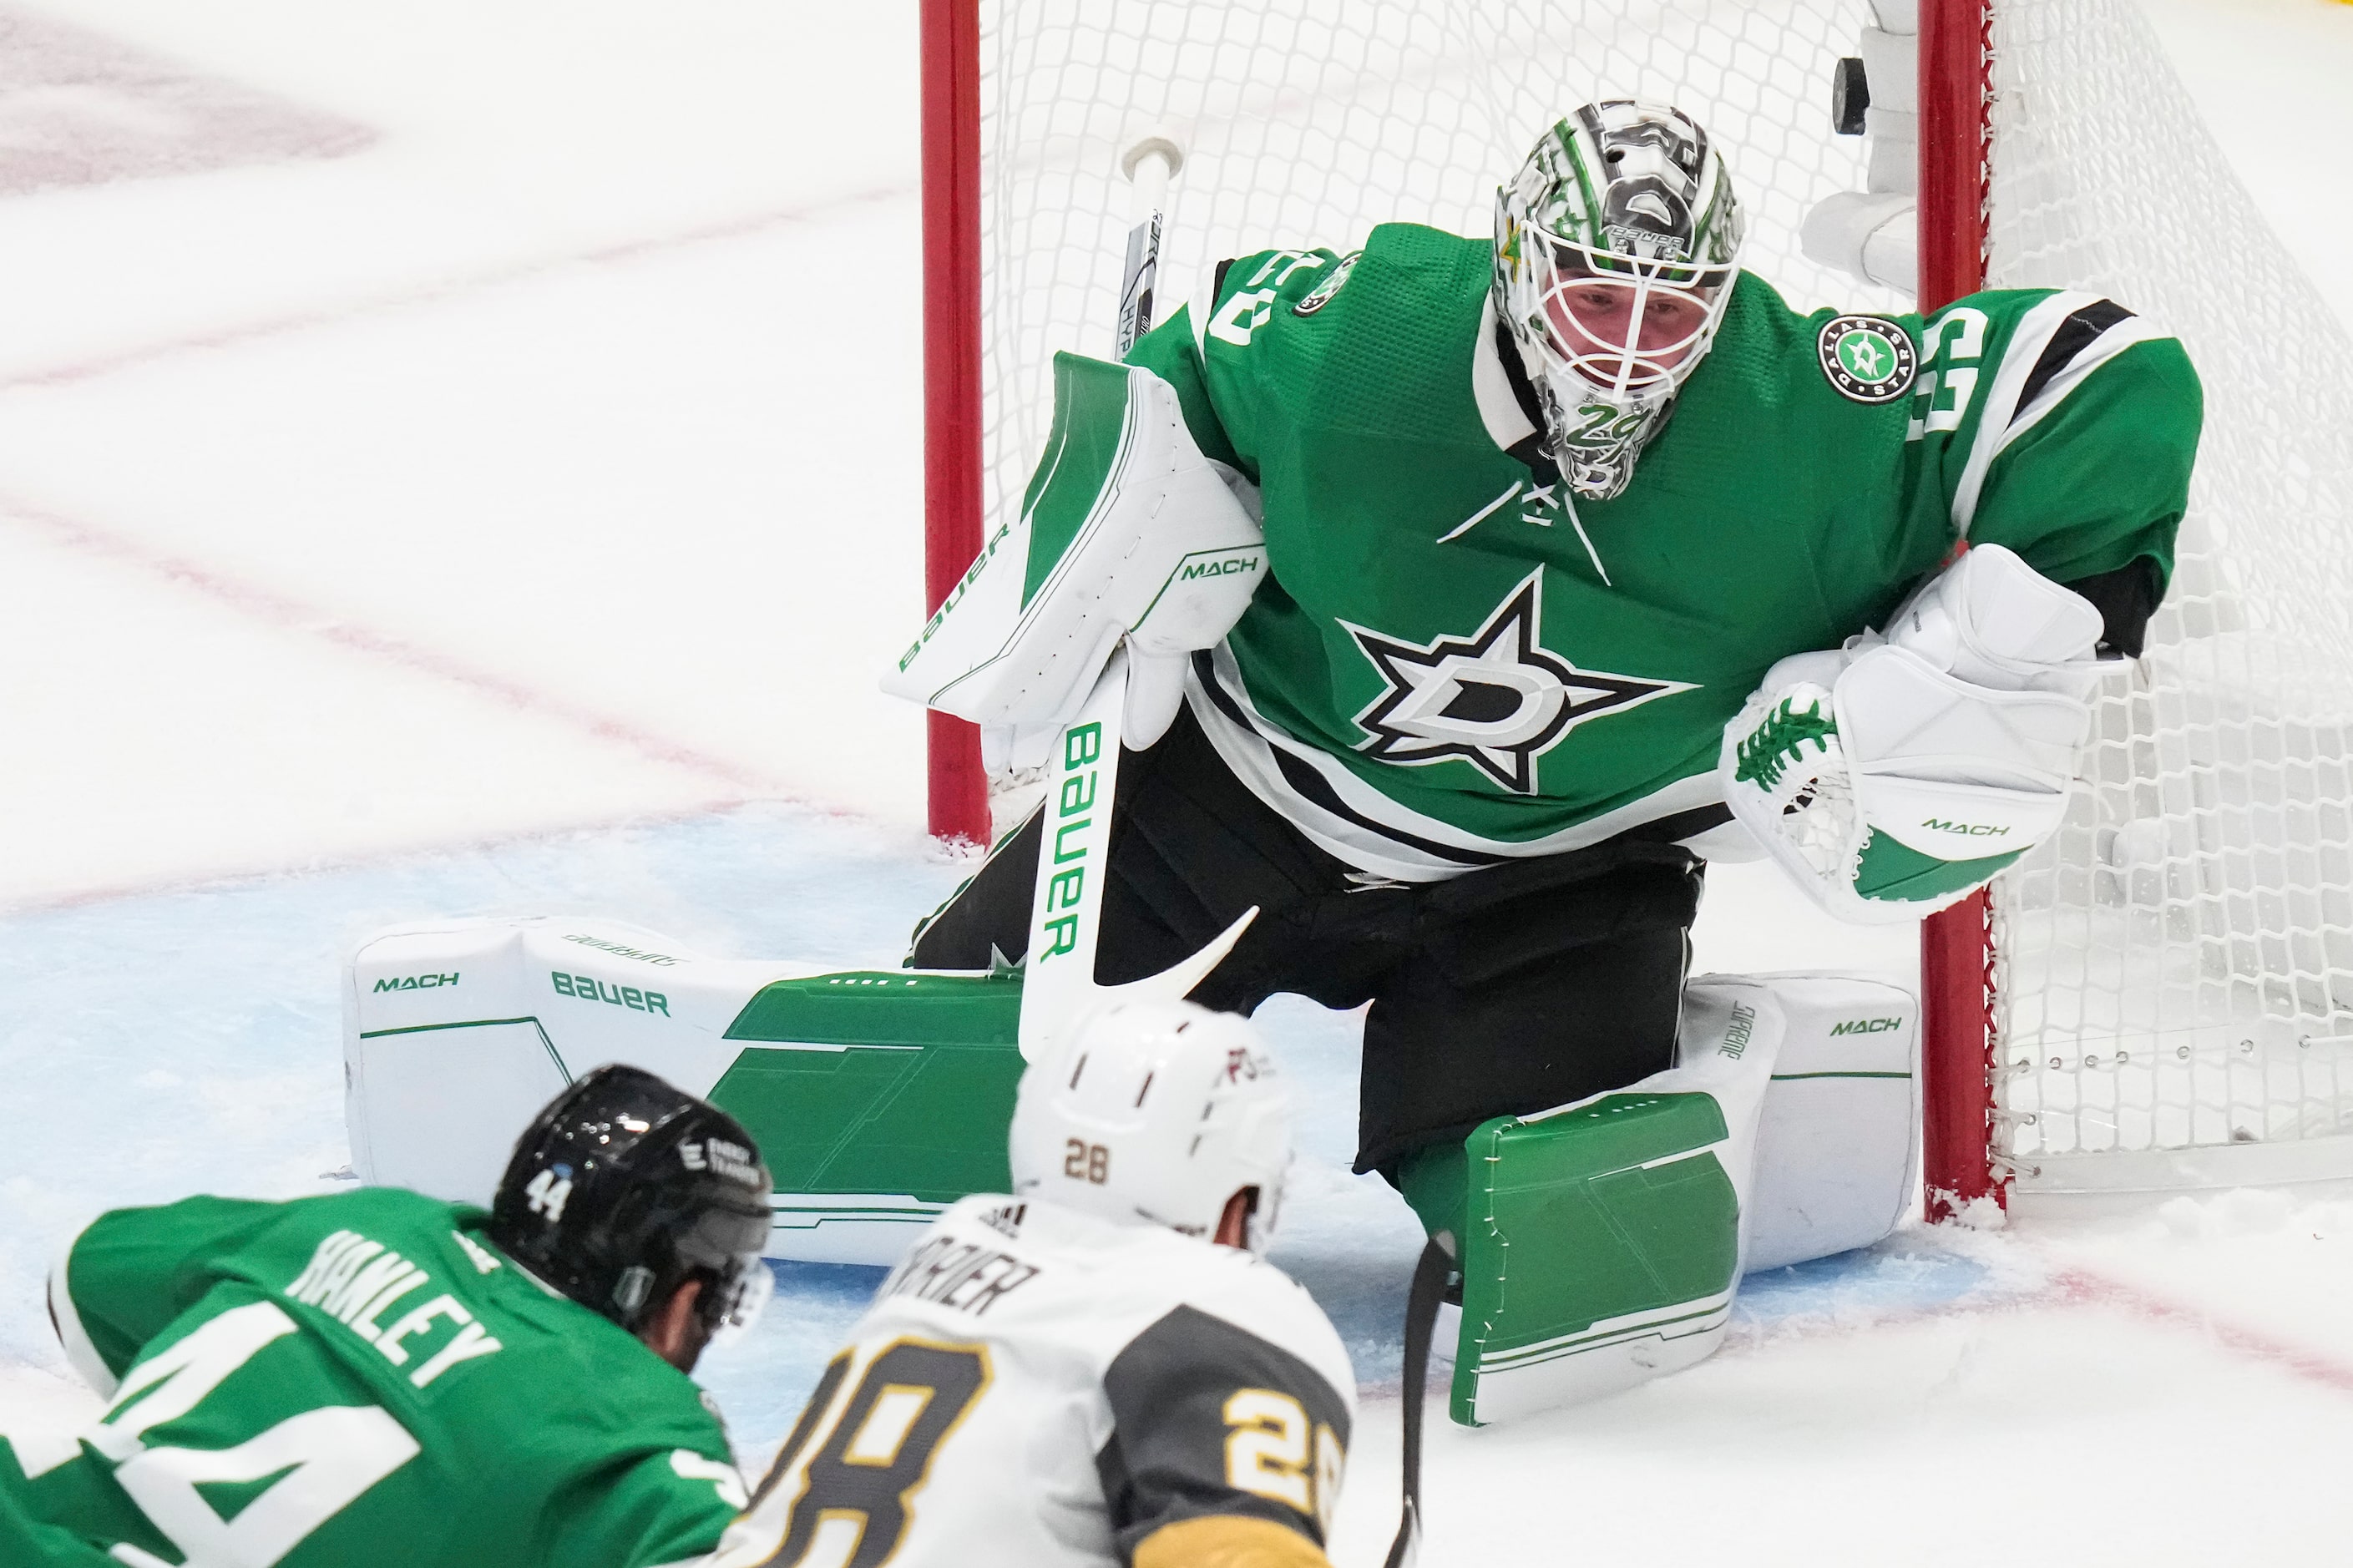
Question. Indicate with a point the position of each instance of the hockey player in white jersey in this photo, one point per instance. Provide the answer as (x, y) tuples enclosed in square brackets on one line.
[(1100, 1368)]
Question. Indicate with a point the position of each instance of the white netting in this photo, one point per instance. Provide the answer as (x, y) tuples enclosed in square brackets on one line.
[(2193, 919), (1308, 122), (2176, 970)]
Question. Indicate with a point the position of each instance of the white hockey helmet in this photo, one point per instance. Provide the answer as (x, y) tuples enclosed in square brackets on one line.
[(1617, 248), (1156, 1111)]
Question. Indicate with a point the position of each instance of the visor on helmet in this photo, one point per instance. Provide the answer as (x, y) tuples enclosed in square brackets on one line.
[(725, 1238), (739, 1297)]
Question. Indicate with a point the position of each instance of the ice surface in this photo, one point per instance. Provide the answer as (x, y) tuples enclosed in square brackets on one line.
[(505, 508)]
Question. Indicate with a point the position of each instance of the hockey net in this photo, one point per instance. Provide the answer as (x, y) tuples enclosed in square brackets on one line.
[(2172, 976)]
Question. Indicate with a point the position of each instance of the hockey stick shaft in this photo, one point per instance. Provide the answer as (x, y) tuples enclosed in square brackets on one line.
[(1149, 164), (1429, 1277)]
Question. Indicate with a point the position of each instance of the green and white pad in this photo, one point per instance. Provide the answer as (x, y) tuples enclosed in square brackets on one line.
[(878, 1097), (1126, 534), (1600, 1242), (1840, 1137)]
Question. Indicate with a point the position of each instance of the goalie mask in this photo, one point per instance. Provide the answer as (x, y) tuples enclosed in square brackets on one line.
[(1156, 1112), (1616, 248)]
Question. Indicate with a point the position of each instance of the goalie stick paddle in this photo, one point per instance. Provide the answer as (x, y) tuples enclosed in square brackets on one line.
[(1429, 1277), (1059, 987)]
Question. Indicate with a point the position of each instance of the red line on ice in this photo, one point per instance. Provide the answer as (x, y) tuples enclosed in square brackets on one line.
[(286, 612), (201, 881), (264, 605), (2068, 1288), (430, 294), (2078, 1287)]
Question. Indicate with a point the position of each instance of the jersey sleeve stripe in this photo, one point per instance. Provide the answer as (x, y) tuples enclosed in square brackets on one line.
[(2075, 334), (1203, 305), (2114, 340), (80, 1354), (2019, 359), (1227, 1541)]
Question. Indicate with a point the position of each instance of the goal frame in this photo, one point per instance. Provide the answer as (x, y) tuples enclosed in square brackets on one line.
[(1956, 95)]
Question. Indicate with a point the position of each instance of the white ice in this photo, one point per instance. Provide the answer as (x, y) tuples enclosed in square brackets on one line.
[(500, 497)]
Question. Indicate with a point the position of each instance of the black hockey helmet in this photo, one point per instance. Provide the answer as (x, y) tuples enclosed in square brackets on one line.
[(624, 1188)]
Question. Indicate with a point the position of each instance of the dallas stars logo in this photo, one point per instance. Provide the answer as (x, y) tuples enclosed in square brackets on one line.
[(1495, 698), (1868, 358)]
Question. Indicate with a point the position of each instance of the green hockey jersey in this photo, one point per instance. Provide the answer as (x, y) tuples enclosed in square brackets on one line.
[(356, 1379), (1452, 661)]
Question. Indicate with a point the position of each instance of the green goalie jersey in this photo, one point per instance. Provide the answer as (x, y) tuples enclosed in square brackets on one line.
[(1452, 661), (356, 1379)]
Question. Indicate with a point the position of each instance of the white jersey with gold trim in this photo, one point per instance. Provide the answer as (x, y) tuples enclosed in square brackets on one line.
[(1035, 1386)]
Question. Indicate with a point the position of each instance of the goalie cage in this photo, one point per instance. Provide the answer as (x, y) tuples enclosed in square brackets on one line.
[(2159, 997)]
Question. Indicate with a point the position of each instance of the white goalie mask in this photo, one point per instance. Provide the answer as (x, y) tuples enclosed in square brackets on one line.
[(1156, 1112), (1615, 251)]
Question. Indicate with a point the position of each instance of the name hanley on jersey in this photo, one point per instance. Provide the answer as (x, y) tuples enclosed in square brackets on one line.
[(966, 1275), (356, 1282)]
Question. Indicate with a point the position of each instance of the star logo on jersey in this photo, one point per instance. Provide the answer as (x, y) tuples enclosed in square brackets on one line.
[(1496, 699), (1868, 359)]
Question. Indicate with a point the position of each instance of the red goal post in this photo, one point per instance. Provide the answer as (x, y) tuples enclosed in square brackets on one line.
[(957, 790), (1956, 958), (2160, 997)]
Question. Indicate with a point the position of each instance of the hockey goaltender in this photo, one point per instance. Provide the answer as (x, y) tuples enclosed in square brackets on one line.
[(1561, 564)]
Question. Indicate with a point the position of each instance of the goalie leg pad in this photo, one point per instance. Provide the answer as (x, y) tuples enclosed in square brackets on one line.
[(1600, 1242), (877, 1097), (1841, 1130)]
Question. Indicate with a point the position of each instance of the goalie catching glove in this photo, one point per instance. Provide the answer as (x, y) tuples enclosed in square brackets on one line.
[(1895, 776), (1126, 532)]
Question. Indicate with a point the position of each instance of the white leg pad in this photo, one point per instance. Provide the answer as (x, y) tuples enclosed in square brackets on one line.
[(1839, 1140)]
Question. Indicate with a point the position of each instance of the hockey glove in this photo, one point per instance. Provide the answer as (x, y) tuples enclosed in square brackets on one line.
[(1894, 777), (1127, 532)]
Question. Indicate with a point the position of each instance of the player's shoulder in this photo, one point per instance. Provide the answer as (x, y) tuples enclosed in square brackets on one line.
[(1234, 1299), (1147, 1284), (259, 1238), (1003, 1265), (994, 1265), (2038, 335), (1317, 295), (579, 1369), (1837, 370)]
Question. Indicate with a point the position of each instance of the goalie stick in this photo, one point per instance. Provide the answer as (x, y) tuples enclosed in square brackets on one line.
[(1082, 771)]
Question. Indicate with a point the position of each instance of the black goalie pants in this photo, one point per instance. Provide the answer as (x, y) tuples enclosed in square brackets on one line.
[(1508, 990)]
